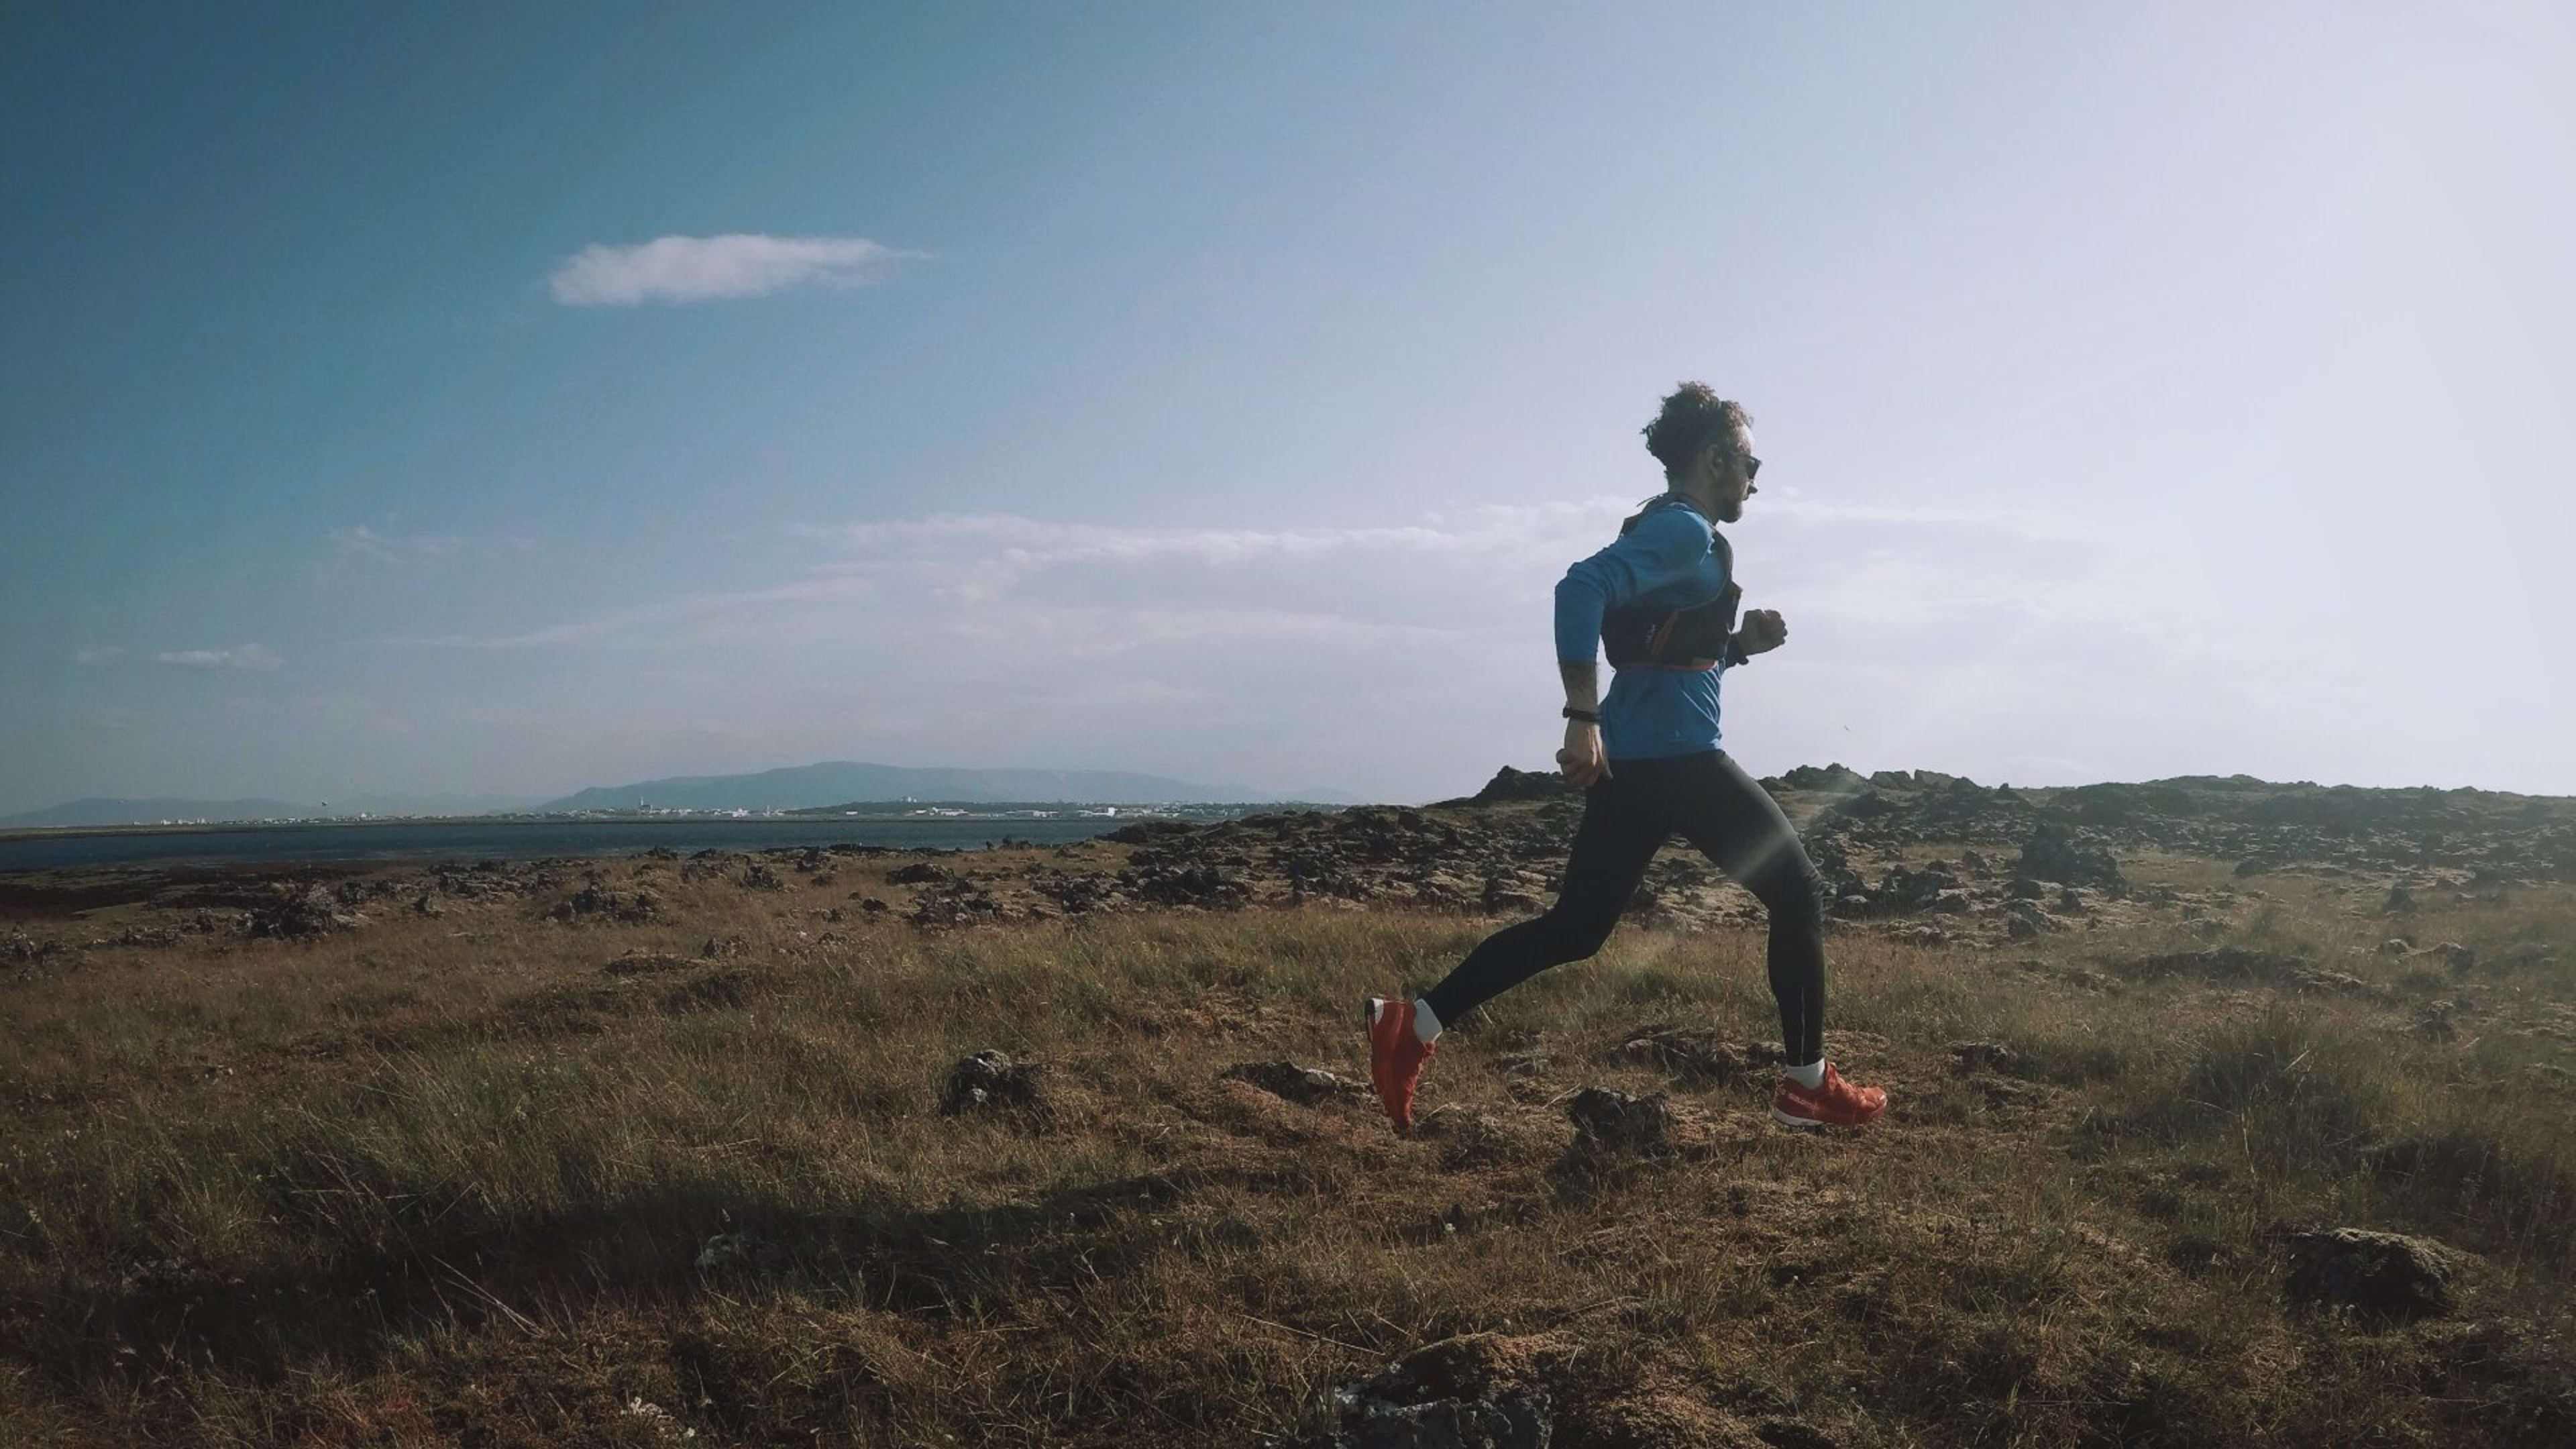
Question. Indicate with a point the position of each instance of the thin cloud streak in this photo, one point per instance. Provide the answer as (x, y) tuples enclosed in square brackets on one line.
[(608, 627), (967, 571), (247, 656), (715, 268), (983, 560), (2030, 524), (360, 541)]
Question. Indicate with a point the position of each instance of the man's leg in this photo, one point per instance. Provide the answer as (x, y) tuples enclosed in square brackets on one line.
[(1737, 825), (1626, 819)]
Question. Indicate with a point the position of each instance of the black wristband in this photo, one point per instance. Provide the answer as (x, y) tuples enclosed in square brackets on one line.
[(1585, 715)]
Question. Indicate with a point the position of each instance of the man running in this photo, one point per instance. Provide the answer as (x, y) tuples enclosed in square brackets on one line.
[(1661, 600)]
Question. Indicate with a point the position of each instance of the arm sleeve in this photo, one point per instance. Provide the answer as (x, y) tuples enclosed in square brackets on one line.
[(1664, 548)]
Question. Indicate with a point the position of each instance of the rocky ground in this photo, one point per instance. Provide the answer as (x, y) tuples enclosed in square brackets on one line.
[(2228, 1112), (1933, 857)]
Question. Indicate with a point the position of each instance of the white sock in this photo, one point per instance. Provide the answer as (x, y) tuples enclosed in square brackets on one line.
[(1426, 1022), (1811, 1076)]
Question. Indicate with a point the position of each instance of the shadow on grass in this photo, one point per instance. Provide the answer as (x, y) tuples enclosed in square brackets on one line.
[(390, 1258)]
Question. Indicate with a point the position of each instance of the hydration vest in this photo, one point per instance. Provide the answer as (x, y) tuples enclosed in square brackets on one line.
[(1658, 636)]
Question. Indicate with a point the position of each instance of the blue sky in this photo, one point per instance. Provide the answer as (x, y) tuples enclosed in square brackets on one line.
[(500, 400)]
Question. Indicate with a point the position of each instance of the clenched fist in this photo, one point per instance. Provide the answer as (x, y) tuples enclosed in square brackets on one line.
[(1581, 760), (1761, 632)]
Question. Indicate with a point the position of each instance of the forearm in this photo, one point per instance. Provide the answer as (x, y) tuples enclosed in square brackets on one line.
[(1582, 685)]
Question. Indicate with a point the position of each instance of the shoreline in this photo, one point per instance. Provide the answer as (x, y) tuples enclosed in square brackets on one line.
[(1196, 814)]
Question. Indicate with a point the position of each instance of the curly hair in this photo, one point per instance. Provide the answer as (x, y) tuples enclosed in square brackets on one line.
[(1691, 419)]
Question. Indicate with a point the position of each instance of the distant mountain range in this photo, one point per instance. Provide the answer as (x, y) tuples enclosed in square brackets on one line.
[(840, 782)]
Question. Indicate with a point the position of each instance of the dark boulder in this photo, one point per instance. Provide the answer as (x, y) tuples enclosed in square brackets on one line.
[(2053, 855), (1905, 890), (1510, 785)]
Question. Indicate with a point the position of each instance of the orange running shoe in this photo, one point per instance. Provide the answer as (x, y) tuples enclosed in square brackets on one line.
[(1396, 1056), (1836, 1103)]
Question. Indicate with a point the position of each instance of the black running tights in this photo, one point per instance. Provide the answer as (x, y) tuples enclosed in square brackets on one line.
[(1714, 805)]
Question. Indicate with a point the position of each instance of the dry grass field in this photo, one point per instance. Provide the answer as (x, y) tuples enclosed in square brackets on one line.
[(483, 1178)]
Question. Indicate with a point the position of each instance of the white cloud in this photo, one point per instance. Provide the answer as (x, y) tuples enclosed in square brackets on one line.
[(247, 656), (982, 578), (2022, 523), (361, 541), (708, 268), (1927, 635)]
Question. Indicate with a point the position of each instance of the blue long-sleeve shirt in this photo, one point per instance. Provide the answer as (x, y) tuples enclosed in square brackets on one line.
[(1670, 560)]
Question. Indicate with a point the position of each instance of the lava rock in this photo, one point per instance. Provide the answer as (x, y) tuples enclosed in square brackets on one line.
[(1614, 1121), (1976, 1056), (2384, 1276), (599, 902), (1147, 832), (2024, 919), (1167, 885), (1905, 890), (1470, 1392), (1510, 785), (2223, 963), (955, 903), (990, 1080), (299, 912), (747, 1250), (2052, 855), (1284, 1078), (20, 948), (1696, 1057), (646, 963)]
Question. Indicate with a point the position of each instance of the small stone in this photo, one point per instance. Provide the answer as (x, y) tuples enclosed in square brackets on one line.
[(1976, 1056), (746, 1249)]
